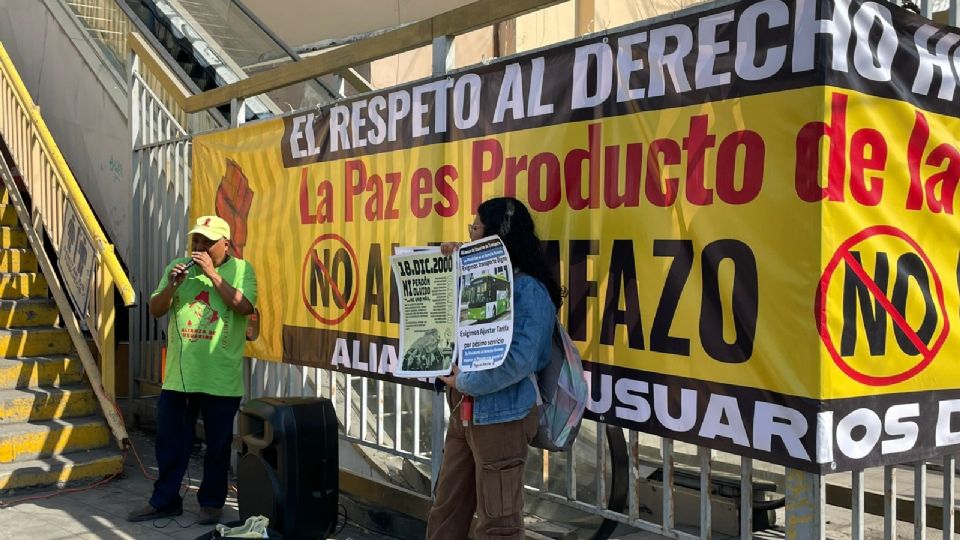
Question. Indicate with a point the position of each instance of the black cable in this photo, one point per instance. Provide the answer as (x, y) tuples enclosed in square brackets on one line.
[(170, 521), (344, 514), (176, 326), (346, 520), (183, 383)]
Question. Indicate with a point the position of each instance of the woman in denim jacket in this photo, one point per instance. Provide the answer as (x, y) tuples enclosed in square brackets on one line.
[(483, 461)]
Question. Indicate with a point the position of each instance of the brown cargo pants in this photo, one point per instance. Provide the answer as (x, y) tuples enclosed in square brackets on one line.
[(482, 472)]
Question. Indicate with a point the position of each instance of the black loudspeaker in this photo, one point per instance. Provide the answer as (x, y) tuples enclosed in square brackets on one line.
[(289, 471)]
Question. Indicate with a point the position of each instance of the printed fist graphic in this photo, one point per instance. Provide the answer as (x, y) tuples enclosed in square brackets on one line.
[(234, 198)]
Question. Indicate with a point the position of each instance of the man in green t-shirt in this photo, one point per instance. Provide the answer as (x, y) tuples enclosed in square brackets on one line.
[(208, 296)]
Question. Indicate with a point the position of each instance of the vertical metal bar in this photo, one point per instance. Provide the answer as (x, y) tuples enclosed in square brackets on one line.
[(920, 500), (889, 502), (633, 455), (364, 381), (237, 112), (572, 474), (953, 16), (584, 15), (805, 505), (926, 8), (379, 413), (398, 425), (304, 378), (601, 461), (949, 495), (705, 486), (544, 469), (443, 54), (856, 510), (134, 351), (416, 421), (348, 405), (746, 498), (666, 449), (438, 431)]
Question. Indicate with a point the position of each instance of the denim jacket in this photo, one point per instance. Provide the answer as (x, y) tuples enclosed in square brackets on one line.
[(506, 393)]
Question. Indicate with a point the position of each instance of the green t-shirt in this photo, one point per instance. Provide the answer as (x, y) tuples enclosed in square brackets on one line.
[(205, 338)]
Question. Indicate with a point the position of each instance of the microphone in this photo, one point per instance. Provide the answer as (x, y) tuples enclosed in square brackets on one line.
[(191, 263)]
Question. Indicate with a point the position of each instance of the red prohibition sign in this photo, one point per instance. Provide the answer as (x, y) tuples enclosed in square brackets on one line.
[(820, 307), (347, 303)]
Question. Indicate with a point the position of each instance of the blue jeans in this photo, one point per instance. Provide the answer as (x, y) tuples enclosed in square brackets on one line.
[(176, 423)]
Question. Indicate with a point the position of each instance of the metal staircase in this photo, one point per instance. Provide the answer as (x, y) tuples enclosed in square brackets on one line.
[(51, 431)]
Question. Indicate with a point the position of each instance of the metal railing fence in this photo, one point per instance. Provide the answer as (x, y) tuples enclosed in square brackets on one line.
[(620, 476), (54, 198)]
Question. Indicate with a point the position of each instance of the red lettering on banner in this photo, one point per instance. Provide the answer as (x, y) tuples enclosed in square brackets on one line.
[(322, 210), (867, 153), (392, 210), (593, 175), (860, 163), (447, 193), (754, 152), (352, 189), (939, 189), (515, 166), (662, 191), (480, 173), (613, 197), (573, 172), (420, 186), (807, 172), (373, 209), (696, 145), (918, 141), (380, 192), (544, 178)]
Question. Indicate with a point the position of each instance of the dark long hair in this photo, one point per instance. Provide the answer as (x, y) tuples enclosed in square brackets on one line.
[(509, 219)]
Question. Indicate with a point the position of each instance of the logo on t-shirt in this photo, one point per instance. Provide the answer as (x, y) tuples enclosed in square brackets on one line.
[(202, 319)]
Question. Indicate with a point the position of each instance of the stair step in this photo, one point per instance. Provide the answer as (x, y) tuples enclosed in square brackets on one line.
[(39, 404), (45, 371), (13, 237), (17, 260), (22, 285), (39, 341), (38, 440), (60, 470), (28, 312), (8, 215)]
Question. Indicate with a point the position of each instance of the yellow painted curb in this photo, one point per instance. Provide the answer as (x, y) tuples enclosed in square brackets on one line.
[(69, 472), (17, 260), (34, 342), (23, 285), (28, 313), (19, 406), (47, 372), (17, 443), (13, 237)]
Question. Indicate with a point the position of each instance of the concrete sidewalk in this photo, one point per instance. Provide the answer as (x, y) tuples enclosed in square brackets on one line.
[(100, 512)]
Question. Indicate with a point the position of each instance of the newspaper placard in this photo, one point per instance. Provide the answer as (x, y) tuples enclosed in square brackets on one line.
[(427, 285), (485, 304)]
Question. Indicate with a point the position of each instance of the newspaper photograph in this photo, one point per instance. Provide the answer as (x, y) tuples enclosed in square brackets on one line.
[(426, 283), (485, 304)]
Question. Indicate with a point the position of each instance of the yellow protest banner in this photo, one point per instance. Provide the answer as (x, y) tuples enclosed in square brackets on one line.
[(749, 260)]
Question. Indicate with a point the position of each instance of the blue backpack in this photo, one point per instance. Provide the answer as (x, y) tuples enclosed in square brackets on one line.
[(561, 394)]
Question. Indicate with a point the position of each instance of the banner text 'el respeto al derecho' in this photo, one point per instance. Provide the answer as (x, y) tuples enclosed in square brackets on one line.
[(752, 210)]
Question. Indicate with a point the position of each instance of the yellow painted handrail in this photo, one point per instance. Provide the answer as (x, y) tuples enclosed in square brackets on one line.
[(69, 183)]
